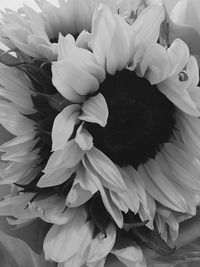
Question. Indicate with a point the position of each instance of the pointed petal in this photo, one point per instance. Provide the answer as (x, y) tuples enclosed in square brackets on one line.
[(147, 25), (95, 110), (102, 32), (119, 51), (182, 166), (105, 195), (178, 93), (68, 157), (85, 59), (102, 245), (84, 180), (13, 121), (130, 197), (63, 126), (77, 196), (156, 183), (52, 210), (130, 256), (65, 80), (63, 242), (83, 138), (56, 177), (161, 63), (107, 170)]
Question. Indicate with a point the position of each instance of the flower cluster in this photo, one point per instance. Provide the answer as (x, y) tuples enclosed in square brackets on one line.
[(101, 103)]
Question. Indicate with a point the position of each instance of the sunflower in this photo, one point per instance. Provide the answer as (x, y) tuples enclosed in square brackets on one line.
[(36, 33), (107, 139)]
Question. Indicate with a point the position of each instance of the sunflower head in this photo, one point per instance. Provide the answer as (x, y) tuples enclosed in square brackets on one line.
[(106, 130)]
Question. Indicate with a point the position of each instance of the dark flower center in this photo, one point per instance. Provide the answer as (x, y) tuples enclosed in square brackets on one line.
[(141, 119)]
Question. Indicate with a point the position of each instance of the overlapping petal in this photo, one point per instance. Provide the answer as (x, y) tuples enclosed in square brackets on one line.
[(62, 242), (95, 110)]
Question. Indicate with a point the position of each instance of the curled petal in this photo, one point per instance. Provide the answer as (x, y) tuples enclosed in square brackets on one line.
[(68, 157), (63, 126), (63, 242), (95, 110), (147, 25), (68, 50), (111, 176), (83, 138), (102, 245), (161, 63)]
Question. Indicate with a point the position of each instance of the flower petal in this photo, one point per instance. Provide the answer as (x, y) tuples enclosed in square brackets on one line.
[(107, 170), (105, 195), (102, 245), (178, 92), (56, 177), (65, 80), (85, 59), (95, 110), (156, 184), (83, 138), (102, 32), (130, 256), (63, 242), (119, 51), (161, 63), (68, 157), (147, 25), (63, 126)]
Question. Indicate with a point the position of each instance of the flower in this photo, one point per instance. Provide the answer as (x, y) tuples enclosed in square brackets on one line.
[(107, 138), (36, 33)]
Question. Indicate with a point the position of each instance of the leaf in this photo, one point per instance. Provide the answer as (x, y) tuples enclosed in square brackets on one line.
[(144, 236)]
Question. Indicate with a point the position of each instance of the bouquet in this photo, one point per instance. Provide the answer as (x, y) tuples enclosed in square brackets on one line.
[(100, 108)]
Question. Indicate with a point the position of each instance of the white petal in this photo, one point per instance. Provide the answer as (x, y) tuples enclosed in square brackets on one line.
[(119, 51), (68, 157), (178, 93), (65, 80), (56, 177), (52, 210), (102, 245), (63, 242), (84, 180), (147, 25), (85, 59), (182, 165), (77, 196), (107, 170), (83, 138), (63, 126), (130, 197), (130, 256), (102, 32), (156, 184), (162, 63), (13, 121), (95, 110), (105, 195), (147, 211), (120, 201)]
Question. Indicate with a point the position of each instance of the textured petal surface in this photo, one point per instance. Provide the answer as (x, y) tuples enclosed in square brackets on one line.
[(102, 245), (109, 173), (95, 110), (63, 126), (63, 242), (83, 138)]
